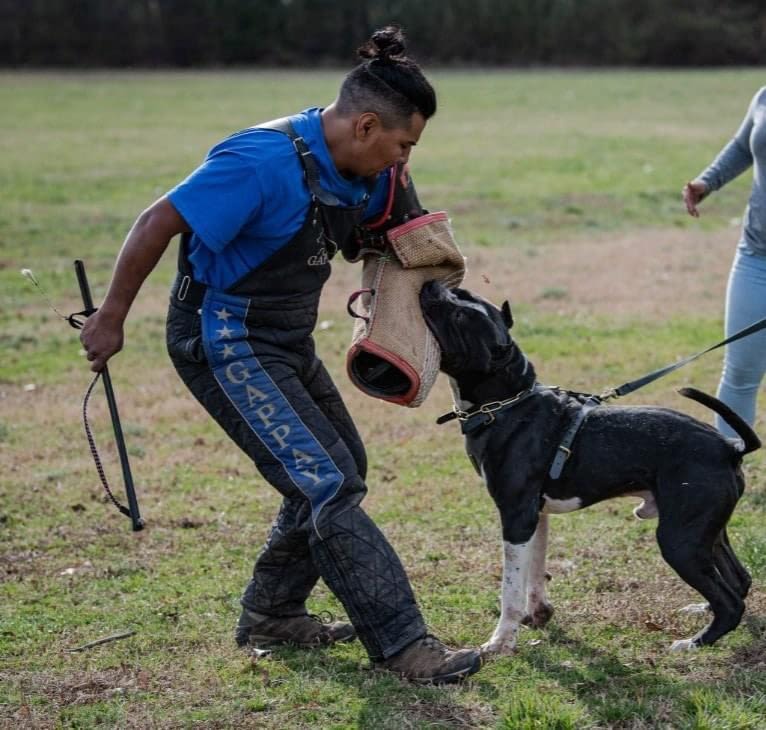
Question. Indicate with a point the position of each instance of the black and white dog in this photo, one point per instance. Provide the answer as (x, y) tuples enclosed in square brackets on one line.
[(687, 474)]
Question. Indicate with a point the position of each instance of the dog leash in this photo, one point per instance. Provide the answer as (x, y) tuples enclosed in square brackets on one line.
[(484, 415), (634, 385)]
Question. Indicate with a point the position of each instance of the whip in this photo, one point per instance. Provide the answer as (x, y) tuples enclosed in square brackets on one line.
[(132, 510)]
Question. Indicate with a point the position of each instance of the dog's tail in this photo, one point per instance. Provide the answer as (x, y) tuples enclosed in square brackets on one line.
[(748, 436)]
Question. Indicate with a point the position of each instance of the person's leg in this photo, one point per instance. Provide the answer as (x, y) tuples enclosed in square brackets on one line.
[(264, 407), (285, 569), (744, 360), (322, 389), (284, 573)]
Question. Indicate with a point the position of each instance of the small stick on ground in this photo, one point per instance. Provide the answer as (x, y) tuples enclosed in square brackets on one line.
[(105, 640)]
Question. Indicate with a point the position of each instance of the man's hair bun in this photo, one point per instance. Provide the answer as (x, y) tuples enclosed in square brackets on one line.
[(386, 45), (387, 81)]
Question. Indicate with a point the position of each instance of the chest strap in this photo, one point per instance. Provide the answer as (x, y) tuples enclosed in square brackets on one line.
[(564, 449)]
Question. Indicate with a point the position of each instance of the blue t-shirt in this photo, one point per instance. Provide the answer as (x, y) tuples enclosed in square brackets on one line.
[(249, 198)]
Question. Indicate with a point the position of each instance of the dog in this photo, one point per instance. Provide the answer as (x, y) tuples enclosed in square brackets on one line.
[(519, 434)]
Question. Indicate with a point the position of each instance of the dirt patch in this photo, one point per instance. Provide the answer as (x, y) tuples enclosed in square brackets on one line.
[(642, 274)]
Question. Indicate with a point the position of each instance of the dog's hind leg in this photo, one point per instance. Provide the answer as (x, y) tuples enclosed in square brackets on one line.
[(516, 559), (729, 566), (731, 570), (539, 611), (691, 556)]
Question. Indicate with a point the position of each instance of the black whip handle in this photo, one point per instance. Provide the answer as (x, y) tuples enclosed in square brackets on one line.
[(127, 477)]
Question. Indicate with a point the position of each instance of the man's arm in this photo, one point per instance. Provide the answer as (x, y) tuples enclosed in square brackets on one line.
[(102, 334)]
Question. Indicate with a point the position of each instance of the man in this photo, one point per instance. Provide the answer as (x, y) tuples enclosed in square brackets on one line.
[(260, 220)]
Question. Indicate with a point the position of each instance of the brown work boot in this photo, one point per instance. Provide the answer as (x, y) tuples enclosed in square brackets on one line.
[(307, 630), (428, 661)]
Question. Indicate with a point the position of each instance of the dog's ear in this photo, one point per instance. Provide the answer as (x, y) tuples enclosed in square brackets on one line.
[(507, 316)]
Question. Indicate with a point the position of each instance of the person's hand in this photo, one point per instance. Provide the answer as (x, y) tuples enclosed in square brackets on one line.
[(101, 337), (693, 193)]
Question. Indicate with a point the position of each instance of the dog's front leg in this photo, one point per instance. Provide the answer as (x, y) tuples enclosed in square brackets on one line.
[(513, 598), (539, 611)]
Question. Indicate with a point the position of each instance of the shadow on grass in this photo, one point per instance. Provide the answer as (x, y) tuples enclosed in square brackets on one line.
[(753, 655), (565, 682), (385, 700), (613, 692)]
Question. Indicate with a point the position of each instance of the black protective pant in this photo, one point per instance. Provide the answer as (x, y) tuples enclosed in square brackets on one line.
[(257, 375)]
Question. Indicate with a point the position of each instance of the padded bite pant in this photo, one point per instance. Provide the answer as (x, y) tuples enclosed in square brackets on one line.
[(257, 375)]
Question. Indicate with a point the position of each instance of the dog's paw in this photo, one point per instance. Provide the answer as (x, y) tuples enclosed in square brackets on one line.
[(539, 616), (695, 608), (684, 645), (499, 647)]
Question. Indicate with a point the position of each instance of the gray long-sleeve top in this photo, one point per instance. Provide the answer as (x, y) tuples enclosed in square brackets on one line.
[(748, 147)]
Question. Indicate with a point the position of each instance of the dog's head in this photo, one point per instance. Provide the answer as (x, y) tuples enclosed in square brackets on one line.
[(474, 338)]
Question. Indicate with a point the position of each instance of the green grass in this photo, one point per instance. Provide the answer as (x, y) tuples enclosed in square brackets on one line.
[(522, 160)]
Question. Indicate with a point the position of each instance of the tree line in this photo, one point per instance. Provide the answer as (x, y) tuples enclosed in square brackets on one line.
[(185, 33)]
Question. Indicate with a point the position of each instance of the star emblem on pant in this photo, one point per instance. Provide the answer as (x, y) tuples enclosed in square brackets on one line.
[(222, 313), (228, 351), (224, 332)]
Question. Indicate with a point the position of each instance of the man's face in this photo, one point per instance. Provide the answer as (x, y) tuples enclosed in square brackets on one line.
[(377, 147)]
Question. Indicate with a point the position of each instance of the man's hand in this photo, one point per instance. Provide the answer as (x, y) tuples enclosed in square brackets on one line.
[(693, 193), (101, 337)]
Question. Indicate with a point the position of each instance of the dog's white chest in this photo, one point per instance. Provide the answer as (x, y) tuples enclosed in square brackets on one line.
[(560, 506)]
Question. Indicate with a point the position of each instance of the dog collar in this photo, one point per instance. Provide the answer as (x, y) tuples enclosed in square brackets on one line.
[(485, 414)]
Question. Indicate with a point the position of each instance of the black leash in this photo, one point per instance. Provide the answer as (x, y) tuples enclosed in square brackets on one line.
[(634, 385), (624, 389), (481, 416)]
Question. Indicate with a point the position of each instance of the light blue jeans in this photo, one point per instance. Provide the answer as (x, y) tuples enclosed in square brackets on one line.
[(744, 360)]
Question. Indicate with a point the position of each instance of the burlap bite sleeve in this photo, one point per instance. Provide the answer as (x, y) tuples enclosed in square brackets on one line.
[(393, 354)]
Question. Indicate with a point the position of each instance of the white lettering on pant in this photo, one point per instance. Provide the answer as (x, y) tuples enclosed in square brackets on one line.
[(303, 462), (264, 412), (279, 434), (301, 458), (244, 373), (254, 395)]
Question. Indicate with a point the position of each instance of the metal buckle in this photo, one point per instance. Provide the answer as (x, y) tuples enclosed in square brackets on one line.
[(183, 288), (567, 452)]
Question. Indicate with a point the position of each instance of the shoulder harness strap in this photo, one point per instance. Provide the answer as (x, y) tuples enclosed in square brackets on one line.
[(310, 167), (564, 449)]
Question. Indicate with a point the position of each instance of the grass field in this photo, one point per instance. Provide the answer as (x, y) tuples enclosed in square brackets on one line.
[(564, 193)]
